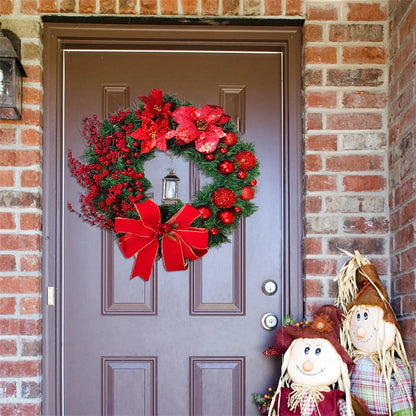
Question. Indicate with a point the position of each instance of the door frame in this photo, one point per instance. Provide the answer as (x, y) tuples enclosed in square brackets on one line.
[(60, 34)]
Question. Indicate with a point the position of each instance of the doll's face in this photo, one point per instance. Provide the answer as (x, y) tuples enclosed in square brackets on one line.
[(368, 329), (314, 362)]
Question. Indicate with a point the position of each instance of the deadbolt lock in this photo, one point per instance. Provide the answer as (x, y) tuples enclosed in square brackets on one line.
[(269, 287)]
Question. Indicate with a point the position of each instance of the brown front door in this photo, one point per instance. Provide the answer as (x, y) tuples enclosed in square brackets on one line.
[(184, 343)]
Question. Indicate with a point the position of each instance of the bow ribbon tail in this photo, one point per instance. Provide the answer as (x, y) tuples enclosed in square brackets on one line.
[(144, 260), (145, 256), (184, 242), (139, 241), (172, 253)]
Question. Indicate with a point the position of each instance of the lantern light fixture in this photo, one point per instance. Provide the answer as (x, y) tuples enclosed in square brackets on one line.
[(11, 74), (170, 189)]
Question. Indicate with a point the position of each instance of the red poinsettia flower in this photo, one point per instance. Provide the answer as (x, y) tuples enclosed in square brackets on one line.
[(154, 105), (201, 125), (153, 134)]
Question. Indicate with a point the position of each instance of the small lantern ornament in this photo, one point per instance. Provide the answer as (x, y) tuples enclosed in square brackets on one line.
[(11, 74), (170, 189)]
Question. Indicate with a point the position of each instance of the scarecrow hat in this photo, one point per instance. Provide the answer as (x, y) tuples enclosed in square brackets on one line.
[(326, 324), (371, 292)]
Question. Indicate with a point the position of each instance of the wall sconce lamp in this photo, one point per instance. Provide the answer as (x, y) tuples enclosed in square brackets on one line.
[(11, 74), (170, 189)]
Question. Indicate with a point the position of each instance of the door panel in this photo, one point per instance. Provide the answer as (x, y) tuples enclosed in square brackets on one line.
[(186, 342), (134, 378)]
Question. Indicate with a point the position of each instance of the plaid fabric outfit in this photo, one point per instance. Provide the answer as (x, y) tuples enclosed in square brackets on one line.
[(311, 409), (367, 384), (333, 404)]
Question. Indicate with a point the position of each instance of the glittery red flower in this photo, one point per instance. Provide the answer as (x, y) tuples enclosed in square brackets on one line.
[(154, 105), (153, 134), (201, 125)]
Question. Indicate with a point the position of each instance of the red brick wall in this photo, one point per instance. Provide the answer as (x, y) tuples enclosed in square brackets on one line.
[(345, 79), (402, 165), (359, 169), (20, 229)]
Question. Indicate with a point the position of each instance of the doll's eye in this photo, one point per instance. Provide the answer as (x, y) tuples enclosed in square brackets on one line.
[(358, 316), (318, 351), (365, 315), (307, 350)]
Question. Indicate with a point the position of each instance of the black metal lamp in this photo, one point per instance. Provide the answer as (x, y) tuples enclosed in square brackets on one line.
[(170, 188), (11, 74)]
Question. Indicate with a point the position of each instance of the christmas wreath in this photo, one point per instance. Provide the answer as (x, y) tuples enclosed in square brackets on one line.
[(112, 173)]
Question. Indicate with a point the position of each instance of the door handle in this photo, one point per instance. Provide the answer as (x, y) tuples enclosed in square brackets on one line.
[(269, 321)]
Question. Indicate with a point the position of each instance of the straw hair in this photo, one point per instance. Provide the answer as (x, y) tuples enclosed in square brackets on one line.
[(347, 284)]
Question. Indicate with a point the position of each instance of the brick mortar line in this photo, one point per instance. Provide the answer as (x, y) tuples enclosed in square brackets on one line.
[(20, 274), (22, 148), (352, 110), (358, 44), (21, 210), (22, 358), (384, 236), (349, 173), (341, 66), (347, 214), (353, 88), (21, 338), (398, 208), (315, 132), (20, 296), (354, 152), (21, 401)]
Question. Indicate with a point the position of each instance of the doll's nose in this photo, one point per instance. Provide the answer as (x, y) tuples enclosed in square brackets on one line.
[(361, 332), (307, 366)]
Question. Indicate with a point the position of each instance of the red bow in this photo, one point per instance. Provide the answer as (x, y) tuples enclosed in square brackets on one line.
[(180, 241)]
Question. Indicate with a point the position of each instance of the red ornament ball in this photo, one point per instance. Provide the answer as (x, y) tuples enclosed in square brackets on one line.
[(247, 193), (237, 210), (230, 139), (209, 157), (223, 198), (245, 160), (253, 182), (214, 231), (226, 217), (241, 174), (226, 167), (205, 212), (223, 150)]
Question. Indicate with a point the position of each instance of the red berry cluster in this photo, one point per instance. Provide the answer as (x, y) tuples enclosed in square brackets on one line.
[(270, 352), (111, 186)]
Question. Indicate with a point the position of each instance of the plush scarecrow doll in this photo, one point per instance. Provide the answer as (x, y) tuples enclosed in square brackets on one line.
[(371, 335), (314, 379)]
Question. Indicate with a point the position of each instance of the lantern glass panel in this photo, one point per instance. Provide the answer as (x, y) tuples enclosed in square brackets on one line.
[(170, 189), (170, 192), (10, 89), (6, 82)]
